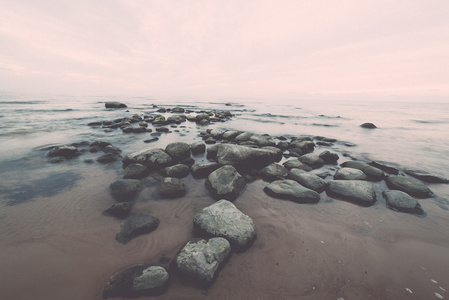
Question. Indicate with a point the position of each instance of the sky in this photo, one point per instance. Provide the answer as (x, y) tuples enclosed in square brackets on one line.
[(208, 48)]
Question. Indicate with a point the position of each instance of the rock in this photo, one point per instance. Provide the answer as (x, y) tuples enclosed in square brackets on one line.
[(401, 201), (312, 160), (178, 110), (225, 183), (308, 180), (100, 144), (115, 105), (384, 168), (371, 172), (135, 226), (108, 158), (124, 283), (291, 190), (151, 140), (243, 137), (368, 125), (198, 148), (57, 159), (273, 172), (409, 185), (178, 150), (153, 159), (329, 157), (111, 149), (135, 171), (96, 123), (177, 171), (295, 163), (349, 174), (244, 157), (203, 170), (202, 117), (212, 151), (263, 140), (304, 144), (162, 129), (64, 151), (119, 210), (125, 189), (231, 134), (210, 141), (176, 119), (223, 219), (356, 191), (425, 176), (171, 188), (199, 261), (216, 133)]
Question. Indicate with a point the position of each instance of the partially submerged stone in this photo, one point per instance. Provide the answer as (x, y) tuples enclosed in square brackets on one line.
[(313, 160), (401, 201), (203, 170), (368, 125), (242, 156), (153, 159), (291, 190), (119, 210), (125, 189), (177, 171), (273, 172), (114, 104), (223, 219), (64, 151), (357, 191), (171, 187), (135, 171), (349, 174), (371, 172), (135, 226), (178, 150), (409, 185), (225, 183), (425, 176), (308, 180)]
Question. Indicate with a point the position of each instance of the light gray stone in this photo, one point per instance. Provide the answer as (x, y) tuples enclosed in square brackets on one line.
[(153, 159), (273, 172), (312, 160), (371, 172), (241, 156), (152, 278), (356, 191), (308, 180), (401, 201), (225, 183), (291, 190), (409, 185), (349, 174)]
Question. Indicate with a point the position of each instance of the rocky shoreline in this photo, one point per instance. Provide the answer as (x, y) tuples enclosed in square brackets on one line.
[(291, 167)]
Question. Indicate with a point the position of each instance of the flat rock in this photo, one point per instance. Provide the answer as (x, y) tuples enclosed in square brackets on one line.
[(409, 185), (200, 260), (115, 105), (135, 171), (153, 159), (203, 170), (135, 226), (225, 183), (291, 190), (349, 174), (401, 201), (124, 189), (357, 191), (223, 219), (242, 156), (312, 160), (425, 176), (178, 150), (308, 180), (273, 172), (372, 173), (177, 171), (171, 188)]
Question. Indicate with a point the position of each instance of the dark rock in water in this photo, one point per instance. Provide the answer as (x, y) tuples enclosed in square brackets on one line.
[(64, 151), (384, 168), (108, 158), (291, 190), (409, 185), (305, 145), (171, 188), (100, 144), (135, 226), (243, 157), (312, 160), (210, 141), (115, 105), (356, 191), (295, 163), (135, 171), (111, 149), (223, 219), (95, 124), (125, 189), (203, 170), (178, 150), (57, 159), (371, 172), (200, 261), (225, 183), (324, 144), (273, 172), (308, 180), (329, 157), (198, 148), (296, 152), (349, 174), (154, 281), (153, 159), (162, 129), (178, 110), (243, 137), (368, 125), (151, 140), (263, 140), (177, 171), (425, 176), (119, 210), (231, 134), (189, 161), (401, 201)]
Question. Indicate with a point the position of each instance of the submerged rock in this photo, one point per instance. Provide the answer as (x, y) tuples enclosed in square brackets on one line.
[(135, 171), (401, 201), (135, 226), (291, 190), (125, 189), (119, 210), (171, 188), (115, 105), (200, 260), (177, 171), (425, 176), (203, 170), (223, 219), (64, 151), (225, 183), (409, 185), (356, 191)]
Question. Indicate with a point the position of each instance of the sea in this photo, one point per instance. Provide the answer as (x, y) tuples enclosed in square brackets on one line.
[(55, 243)]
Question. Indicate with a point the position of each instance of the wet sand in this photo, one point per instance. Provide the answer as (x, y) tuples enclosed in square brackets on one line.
[(62, 247)]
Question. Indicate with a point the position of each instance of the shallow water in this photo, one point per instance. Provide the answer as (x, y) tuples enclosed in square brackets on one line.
[(56, 244)]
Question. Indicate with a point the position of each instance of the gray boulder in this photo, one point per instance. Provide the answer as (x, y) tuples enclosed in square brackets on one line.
[(203, 170), (356, 191), (263, 140), (401, 201), (409, 185), (273, 172), (223, 219), (153, 280), (308, 180), (171, 188), (312, 160), (295, 163), (177, 171), (304, 144), (178, 150), (108, 158), (425, 176), (200, 260), (243, 157), (198, 148), (124, 189), (64, 151), (225, 183), (231, 134), (368, 125), (243, 137), (115, 105), (349, 174), (135, 171), (153, 159), (372, 173), (291, 190), (329, 157), (135, 226)]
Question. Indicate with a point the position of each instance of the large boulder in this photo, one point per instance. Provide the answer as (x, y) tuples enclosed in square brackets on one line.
[(312, 160), (273, 172), (198, 148), (308, 180), (135, 226), (125, 189), (178, 150), (409, 185), (291, 190), (115, 105), (200, 260), (372, 173), (153, 159), (349, 174), (401, 201), (425, 176), (171, 188), (223, 219), (225, 183), (244, 157), (135, 171), (357, 191)]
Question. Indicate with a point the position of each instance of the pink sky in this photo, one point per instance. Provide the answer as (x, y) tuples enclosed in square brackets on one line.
[(226, 48)]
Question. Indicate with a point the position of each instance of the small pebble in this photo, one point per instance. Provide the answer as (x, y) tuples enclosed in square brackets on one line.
[(434, 281), (408, 290), (442, 289), (438, 296)]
